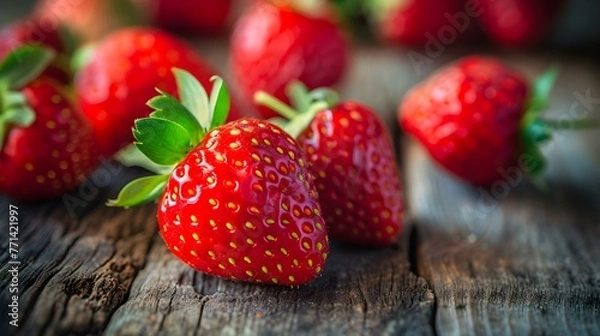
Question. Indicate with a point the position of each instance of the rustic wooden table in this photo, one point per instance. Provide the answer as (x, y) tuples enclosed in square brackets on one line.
[(511, 260)]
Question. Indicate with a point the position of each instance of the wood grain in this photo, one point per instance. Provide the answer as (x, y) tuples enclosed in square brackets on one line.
[(522, 263), (362, 291), (75, 270)]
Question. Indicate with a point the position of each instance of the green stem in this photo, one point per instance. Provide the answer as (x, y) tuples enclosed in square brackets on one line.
[(571, 124), (131, 156), (299, 96), (301, 122), (330, 96), (264, 99)]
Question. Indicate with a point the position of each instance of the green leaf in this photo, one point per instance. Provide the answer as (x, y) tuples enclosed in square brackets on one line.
[(14, 110), (537, 132), (82, 56), (541, 92), (219, 102), (24, 64), (193, 97), (162, 141), (131, 156), (169, 108), (140, 191)]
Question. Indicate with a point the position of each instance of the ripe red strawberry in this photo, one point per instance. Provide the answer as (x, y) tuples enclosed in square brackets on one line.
[(352, 157), (240, 202), (416, 23), (38, 32), (29, 31), (189, 16), (273, 45), (121, 76), (479, 119), (519, 23), (46, 145)]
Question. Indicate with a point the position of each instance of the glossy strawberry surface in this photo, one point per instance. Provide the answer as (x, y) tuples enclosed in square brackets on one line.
[(53, 155), (468, 117), (273, 45), (352, 157), (123, 75), (242, 205)]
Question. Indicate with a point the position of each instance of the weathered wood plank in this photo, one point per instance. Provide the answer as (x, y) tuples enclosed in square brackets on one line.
[(76, 268), (523, 263), (362, 291)]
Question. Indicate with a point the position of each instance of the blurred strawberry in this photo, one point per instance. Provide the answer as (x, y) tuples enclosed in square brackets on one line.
[(45, 33), (275, 44), (189, 16), (46, 144), (122, 75), (90, 19), (482, 121), (519, 23), (415, 23)]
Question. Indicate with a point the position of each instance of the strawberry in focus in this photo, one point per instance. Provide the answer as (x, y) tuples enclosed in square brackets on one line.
[(519, 23), (240, 202), (120, 78), (46, 144), (274, 44), (351, 155), (478, 118)]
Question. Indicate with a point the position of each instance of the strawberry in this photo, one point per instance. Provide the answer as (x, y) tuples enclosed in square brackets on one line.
[(480, 119), (35, 31), (240, 202), (121, 75), (46, 145), (352, 157), (189, 16), (417, 23), (519, 23), (272, 45)]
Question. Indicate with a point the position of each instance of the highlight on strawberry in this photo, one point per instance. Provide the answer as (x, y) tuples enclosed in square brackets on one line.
[(352, 157), (46, 144), (235, 200), (479, 119)]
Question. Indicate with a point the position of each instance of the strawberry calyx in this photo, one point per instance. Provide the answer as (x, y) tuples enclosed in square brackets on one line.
[(18, 69), (536, 130), (305, 106), (168, 134)]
